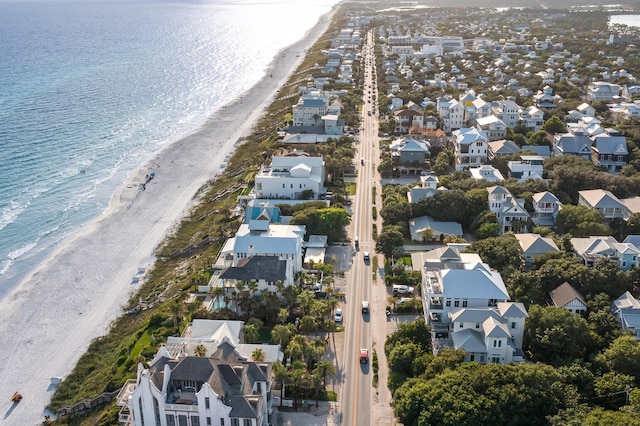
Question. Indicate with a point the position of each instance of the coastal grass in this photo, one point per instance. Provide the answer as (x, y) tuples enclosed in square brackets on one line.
[(181, 263)]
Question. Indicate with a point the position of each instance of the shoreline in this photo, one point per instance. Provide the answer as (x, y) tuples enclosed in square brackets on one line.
[(49, 319)]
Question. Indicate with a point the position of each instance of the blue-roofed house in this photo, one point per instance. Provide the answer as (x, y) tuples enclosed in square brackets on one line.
[(546, 207), (610, 152), (572, 144), (542, 150), (626, 309), (410, 154), (437, 229)]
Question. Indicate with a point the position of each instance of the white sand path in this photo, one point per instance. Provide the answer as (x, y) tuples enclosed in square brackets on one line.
[(48, 322)]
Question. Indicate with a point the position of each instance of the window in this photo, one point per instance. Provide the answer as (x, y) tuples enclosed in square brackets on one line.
[(499, 343), (456, 303), (472, 357), (195, 421), (477, 325), (464, 303), (481, 357), (283, 186), (495, 343), (447, 303), (513, 325), (235, 422), (206, 403), (495, 359), (171, 420), (248, 422), (461, 325), (221, 421)]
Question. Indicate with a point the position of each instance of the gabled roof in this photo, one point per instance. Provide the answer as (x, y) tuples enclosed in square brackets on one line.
[(468, 340), (544, 197), (504, 147), (565, 293), (494, 328), (496, 190), (615, 145), (469, 135), (600, 198), (512, 310), (534, 243), (598, 246), (626, 301)]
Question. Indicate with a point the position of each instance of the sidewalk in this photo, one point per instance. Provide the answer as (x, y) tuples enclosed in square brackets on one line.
[(327, 414)]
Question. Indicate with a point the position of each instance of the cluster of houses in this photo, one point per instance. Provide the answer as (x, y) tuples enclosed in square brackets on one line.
[(467, 307)]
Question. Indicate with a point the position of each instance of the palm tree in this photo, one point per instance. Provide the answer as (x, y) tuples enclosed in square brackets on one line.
[(253, 286), (281, 377), (325, 369), (177, 308), (251, 333), (281, 334), (316, 382), (283, 315), (308, 324), (200, 350), (258, 355)]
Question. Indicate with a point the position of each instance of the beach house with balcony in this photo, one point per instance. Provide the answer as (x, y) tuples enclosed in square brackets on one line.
[(501, 148), (545, 207), (178, 388), (406, 118), (593, 249), (607, 204), (490, 335), (507, 111), (293, 178), (532, 118), (470, 148), (493, 128), (458, 287), (534, 245), (510, 211), (410, 155), (451, 113), (602, 91)]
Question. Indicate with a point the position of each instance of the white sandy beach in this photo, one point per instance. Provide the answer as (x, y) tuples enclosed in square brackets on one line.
[(51, 318)]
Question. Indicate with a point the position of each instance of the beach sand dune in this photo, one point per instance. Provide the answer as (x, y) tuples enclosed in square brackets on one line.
[(51, 318)]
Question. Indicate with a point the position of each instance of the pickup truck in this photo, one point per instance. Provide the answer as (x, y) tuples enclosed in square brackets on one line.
[(402, 289)]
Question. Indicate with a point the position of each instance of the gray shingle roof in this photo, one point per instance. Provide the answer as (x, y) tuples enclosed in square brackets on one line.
[(267, 268)]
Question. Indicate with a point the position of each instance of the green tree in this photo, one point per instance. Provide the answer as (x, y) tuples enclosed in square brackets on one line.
[(325, 369), (258, 355), (502, 253), (623, 356), (556, 336), (442, 164), (479, 394), (580, 221), (554, 125), (251, 333), (388, 240)]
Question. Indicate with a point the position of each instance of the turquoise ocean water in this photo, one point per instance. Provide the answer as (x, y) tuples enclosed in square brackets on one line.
[(89, 90)]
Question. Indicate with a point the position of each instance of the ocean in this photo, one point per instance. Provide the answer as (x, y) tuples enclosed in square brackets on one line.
[(90, 90)]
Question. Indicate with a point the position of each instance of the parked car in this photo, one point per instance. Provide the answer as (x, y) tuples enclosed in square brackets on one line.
[(364, 356), (404, 300), (365, 307), (337, 317), (402, 289)]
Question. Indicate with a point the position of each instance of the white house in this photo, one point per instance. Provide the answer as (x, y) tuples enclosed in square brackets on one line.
[(182, 389), (602, 91), (507, 209), (452, 282), (529, 167), (451, 113), (532, 118), (507, 111), (261, 238), (290, 178), (470, 148), (486, 172), (546, 207), (490, 335), (493, 128)]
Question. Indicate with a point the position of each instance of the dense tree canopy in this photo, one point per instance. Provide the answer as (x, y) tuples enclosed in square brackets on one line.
[(481, 394)]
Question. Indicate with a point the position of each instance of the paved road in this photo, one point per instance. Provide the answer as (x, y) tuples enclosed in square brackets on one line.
[(359, 402)]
